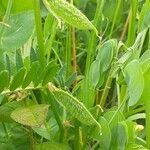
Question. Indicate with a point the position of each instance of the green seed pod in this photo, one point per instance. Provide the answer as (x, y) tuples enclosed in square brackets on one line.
[(73, 106), (69, 13)]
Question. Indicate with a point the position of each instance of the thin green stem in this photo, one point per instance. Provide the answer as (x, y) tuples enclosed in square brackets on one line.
[(115, 18), (38, 23), (77, 137), (68, 51), (134, 111), (132, 22), (106, 90), (90, 55), (52, 100), (147, 110), (116, 112)]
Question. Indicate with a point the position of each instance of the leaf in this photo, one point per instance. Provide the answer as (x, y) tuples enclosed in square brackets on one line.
[(145, 56), (33, 116), (69, 13), (122, 135), (102, 62), (95, 72), (73, 106), (105, 54), (33, 55), (105, 138), (4, 80), (135, 81), (106, 133), (144, 21), (19, 31), (31, 76), (53, 146), (19, 61), (137, 116), (49, 72), (146, 92), (17, 79), (6, 110)]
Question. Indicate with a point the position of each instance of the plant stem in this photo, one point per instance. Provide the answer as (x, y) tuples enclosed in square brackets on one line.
[(147, 110), (106, 90), (51, 100), (125, 27), (116, 112), (68, 51), (132, 22), (38, 23), (90, 55), (74, 53), (74, 50), (115, 17)]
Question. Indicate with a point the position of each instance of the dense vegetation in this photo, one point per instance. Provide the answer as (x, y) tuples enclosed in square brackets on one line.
[(74, 74)]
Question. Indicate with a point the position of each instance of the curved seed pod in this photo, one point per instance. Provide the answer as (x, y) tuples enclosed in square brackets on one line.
[(69, 13), (73, 106)]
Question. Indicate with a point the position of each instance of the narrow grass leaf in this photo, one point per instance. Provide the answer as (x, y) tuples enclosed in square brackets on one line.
[(31, 75), (17, 79), (4, 80)]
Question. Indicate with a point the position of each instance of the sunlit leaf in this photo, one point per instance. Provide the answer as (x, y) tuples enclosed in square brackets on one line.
[(19, 31), (33, 116)]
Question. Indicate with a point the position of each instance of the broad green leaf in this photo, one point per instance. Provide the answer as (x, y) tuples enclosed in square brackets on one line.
[(19, 31), (103, 61), (145, 65), (106, 133), (17, 79), (105, 138), (145, 61), (31, 76), (113, 126), (146, 92), (69, 13), (52, 146), (95, 72), (33, 116), (144, 21), (4, 80), (105, 53), (145, 56), (135, 81), (122, 137), (73, 106)]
